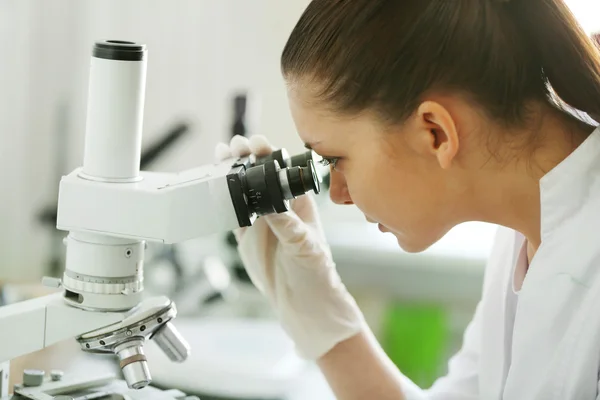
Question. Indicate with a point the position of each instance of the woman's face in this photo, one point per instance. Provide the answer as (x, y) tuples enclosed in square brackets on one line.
[(398, 177)]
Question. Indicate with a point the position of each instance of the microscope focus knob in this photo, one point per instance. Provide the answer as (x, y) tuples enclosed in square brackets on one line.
[(51, 282)]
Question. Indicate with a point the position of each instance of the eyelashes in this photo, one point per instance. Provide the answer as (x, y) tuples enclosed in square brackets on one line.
[(329, 161)]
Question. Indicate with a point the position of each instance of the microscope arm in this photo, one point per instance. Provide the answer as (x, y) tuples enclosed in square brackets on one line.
[(38, 323), (162, 207)]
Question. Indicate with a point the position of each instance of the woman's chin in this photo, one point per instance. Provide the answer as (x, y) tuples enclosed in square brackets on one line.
[(410, 245)]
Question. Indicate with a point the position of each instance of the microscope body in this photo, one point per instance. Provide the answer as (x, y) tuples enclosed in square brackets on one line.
[(111, 209)]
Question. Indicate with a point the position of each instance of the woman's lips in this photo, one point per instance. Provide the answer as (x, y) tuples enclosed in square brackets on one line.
[(382, 228)]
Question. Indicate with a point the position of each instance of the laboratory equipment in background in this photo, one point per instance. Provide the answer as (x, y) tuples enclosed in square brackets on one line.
[(111, 209), (47, 216), (239, 125)]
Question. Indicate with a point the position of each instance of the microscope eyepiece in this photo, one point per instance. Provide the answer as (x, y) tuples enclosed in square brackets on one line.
[(303, 179), (265, 187), (119, 50), (281, 156), (269, 188), (284, 159), (303, 159)]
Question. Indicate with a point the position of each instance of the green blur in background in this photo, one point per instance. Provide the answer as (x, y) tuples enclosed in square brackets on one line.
[(416, 337)]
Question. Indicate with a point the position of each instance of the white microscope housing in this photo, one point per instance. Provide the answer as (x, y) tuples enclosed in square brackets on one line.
[(111, 209)]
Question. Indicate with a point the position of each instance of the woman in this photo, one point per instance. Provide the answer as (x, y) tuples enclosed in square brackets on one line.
[(432, 113)]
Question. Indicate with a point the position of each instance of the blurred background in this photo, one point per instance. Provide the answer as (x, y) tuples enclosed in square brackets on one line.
[(213, 71)]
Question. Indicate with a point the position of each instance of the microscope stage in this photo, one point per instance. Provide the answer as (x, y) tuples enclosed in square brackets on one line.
[(105, 388)]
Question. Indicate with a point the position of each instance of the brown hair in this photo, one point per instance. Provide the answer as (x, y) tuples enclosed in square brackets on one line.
[(385, 55), (596, 37)]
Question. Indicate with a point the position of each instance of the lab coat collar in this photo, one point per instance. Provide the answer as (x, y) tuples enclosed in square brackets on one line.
[(565, 188)]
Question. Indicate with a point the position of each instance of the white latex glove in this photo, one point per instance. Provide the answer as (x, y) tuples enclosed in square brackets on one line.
[(288, 259)]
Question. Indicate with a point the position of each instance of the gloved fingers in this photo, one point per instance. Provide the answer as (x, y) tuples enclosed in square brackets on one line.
[(305, 207), (239, 146), (288, 228), (260, 145), (262, 277), (254, 247), (256, 277), (222, 152)]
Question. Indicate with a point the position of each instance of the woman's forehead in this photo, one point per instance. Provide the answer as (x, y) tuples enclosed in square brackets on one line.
[(318, 124)]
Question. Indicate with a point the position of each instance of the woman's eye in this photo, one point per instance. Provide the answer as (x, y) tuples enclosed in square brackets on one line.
[(329, 161)]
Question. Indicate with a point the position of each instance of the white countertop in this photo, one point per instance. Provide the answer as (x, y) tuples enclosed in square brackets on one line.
[(238, 358)]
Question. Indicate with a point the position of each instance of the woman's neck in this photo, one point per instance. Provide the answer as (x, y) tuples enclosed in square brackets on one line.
[(512, 196)]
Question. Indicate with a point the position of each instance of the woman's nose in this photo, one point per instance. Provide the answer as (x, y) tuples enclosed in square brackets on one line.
[(338, 190)]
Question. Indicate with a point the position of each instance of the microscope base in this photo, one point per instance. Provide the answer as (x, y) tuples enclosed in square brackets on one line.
[(104, 387)]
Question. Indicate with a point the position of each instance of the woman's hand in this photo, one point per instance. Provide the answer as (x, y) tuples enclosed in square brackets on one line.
[(288, 259)]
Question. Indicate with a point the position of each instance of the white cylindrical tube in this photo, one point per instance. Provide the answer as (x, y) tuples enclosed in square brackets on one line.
[(115, 112)]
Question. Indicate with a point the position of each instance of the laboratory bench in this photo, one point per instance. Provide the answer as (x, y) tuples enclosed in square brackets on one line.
[(67, 356)]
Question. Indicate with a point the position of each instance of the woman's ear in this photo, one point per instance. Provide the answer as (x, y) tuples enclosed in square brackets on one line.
[(438, 134)]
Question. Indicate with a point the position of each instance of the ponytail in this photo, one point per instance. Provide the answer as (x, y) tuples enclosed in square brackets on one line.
[(569, 59)]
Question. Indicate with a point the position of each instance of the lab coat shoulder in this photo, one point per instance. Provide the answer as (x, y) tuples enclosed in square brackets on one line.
[(557, 330), (462, 382), (500, 260)]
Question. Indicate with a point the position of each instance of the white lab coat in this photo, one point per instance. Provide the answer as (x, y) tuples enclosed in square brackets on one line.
[(550, 347)]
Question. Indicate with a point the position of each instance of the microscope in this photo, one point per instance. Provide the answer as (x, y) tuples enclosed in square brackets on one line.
[(111, 209)]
